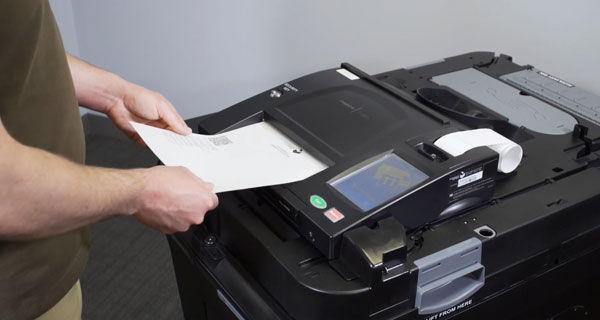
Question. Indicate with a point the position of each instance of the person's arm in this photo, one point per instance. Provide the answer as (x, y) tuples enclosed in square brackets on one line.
[(42, 194), (122, 101)]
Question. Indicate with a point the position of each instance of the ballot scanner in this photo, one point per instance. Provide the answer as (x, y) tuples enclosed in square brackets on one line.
[(397, 226)]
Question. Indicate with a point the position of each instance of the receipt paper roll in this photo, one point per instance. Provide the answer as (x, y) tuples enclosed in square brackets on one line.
[(457, 143)]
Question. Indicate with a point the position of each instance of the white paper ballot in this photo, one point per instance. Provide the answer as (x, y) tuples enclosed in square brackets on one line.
[(249, 157), (457, 143)]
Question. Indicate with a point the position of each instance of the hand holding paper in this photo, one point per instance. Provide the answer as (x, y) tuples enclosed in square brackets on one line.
[(249, 157)]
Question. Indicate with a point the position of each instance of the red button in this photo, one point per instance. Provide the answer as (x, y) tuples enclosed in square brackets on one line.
[(334, 215)]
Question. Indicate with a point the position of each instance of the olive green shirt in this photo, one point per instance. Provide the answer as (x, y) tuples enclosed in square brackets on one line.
[(38, 107)]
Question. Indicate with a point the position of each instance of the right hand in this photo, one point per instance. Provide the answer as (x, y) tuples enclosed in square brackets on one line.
[(173, 198)]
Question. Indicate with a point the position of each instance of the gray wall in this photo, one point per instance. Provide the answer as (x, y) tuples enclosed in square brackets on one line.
[(63, 12), (208, 55)]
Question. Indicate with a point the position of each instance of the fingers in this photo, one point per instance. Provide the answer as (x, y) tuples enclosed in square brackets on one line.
[(172, 119), (150, 107), (212, 201), (139, 140), (133, 135), (173, 199)]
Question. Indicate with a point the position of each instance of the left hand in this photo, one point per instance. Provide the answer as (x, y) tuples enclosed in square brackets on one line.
[(141, 105)]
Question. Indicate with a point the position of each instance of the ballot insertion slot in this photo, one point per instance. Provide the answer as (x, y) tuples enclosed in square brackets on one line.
[(255, 118), (262, 116)]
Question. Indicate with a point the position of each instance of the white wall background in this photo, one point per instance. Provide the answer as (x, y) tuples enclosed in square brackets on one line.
[(208, 55)]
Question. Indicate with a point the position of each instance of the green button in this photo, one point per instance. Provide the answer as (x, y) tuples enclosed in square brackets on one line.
[(318, 202)]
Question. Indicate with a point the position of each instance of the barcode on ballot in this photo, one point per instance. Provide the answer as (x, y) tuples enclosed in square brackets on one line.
[(220, 141)]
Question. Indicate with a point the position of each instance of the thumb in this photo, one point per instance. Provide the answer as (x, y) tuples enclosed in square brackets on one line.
[(174, 121)]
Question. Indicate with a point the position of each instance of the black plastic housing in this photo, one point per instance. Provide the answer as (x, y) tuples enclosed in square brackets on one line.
[(252, 259)]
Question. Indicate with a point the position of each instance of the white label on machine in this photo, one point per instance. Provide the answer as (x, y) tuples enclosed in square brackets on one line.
[(347, 74), (470, 178)]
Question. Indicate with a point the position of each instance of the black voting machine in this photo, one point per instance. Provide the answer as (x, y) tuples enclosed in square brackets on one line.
[(395, 227)]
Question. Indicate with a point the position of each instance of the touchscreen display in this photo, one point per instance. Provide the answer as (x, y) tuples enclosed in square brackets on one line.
[(379, 181)]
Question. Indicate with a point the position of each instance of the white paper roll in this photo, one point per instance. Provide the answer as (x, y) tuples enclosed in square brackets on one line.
[(457, 143)]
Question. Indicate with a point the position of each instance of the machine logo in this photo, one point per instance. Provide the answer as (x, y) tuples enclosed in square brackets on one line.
[(356, 110)]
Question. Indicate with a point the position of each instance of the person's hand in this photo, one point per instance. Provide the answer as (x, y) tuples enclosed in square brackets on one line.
[(141, 105), (173, 198)]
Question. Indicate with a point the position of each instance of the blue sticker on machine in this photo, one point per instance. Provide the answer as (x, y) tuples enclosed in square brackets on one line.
[(379, 181)]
